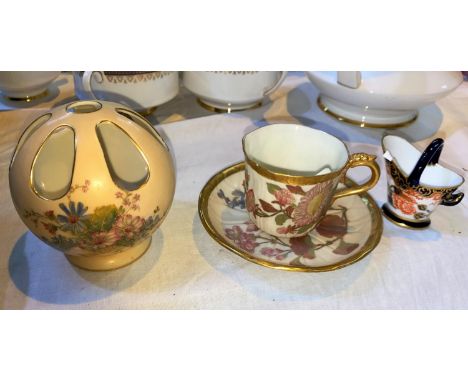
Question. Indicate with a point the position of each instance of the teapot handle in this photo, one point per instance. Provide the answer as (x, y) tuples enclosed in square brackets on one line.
[(86, 81), (349, 79), (277, 84)]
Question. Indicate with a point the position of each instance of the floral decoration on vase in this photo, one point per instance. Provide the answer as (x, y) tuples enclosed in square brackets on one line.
[(108, 228)]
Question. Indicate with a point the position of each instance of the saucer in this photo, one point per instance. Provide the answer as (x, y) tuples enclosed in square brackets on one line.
[(351, 228)]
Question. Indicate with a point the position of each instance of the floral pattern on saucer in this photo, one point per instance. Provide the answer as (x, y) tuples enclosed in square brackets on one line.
[(350, 229)]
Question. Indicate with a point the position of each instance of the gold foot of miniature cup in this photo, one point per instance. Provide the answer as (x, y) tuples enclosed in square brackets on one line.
[(94, 180), (410, 205), (292, 174)]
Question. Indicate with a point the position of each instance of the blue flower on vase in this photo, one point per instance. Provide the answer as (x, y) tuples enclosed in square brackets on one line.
[(74, 217)]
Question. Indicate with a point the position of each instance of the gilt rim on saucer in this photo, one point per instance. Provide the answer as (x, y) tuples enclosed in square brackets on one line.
[(371, 242)]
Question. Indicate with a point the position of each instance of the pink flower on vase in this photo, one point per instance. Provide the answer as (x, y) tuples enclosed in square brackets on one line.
[(99, 240), (312, 204), (284, 197), (128, 226), (118, 194)]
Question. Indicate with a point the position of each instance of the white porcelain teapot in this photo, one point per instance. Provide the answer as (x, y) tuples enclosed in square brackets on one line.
[(381, 99)]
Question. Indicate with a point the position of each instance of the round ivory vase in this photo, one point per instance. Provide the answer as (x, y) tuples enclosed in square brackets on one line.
[(94, 180)]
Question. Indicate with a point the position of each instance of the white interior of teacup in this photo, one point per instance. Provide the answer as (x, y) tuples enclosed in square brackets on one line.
[(406, 156), (295, 150)]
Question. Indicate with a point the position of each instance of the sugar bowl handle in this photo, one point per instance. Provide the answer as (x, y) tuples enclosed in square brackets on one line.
[(277, 84), (360, 159)]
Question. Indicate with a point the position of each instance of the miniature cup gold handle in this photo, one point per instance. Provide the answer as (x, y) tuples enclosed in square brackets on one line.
[(360, 159)]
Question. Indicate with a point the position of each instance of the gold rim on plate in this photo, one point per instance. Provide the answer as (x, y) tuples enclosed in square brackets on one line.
[(215, 180), (325, 109)]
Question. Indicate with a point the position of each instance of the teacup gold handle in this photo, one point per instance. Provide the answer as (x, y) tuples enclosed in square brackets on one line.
[(360, 159)]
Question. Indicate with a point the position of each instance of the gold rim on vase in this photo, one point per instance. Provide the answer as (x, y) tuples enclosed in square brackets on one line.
[(371, 242), (340, 118)]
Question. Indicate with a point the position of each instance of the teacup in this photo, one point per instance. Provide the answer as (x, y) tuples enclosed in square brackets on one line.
[(410, 203), (291, 176), (227, 91), (25, 86), (141, 91)]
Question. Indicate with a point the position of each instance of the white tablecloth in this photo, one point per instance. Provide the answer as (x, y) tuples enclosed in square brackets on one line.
[(185, 268)]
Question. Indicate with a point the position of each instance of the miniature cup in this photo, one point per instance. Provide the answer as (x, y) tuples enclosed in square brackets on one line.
[(291, 176), (410, 206), (141, 91)]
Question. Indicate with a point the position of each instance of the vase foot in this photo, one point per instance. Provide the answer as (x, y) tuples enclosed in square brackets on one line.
[(110, 262), (402, 222)]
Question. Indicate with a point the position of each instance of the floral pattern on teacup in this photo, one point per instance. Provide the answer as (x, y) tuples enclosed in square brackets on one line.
[(329, 233), (295, 209)]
